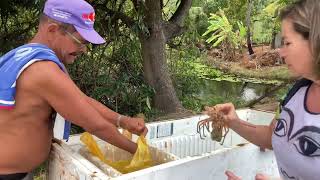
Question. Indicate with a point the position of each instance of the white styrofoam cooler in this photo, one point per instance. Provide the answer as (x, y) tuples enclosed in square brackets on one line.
[(194, 158), (181, 138)]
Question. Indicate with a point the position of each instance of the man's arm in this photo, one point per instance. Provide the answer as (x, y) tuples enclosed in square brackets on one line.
[(65, 97), (107, 113), (134, 125)]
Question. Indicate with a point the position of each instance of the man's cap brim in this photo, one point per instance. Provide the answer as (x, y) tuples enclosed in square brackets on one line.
[(90, 35)]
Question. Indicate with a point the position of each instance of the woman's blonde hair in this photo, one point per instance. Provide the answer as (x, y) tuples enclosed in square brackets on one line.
[(305, 15)]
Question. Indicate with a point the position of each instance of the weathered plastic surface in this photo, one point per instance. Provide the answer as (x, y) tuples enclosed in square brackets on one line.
[(244, 161), (116, 154), (204, 162), (65, 164)]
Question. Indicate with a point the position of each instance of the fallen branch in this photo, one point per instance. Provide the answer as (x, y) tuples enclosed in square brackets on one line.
[(266, 94)]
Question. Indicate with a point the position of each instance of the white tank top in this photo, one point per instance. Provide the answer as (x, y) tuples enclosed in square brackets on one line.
[(296, 139)]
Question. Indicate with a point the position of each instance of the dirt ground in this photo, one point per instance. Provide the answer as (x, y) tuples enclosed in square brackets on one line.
[(263, 65), (263, 57)]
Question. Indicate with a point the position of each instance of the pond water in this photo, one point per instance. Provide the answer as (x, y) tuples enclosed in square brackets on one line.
[(212, 91)]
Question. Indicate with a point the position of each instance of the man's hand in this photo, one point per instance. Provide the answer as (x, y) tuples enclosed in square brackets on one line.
[(134, 125)]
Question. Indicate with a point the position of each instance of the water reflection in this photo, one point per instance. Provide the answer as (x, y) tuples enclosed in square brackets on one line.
[(224, 91)]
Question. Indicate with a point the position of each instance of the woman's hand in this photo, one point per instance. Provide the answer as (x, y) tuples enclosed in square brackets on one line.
[(259, 176), (228, 111), (232, 176)]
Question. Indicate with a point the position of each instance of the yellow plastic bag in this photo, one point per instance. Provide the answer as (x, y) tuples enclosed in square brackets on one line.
[(141, 159), (93, 147)]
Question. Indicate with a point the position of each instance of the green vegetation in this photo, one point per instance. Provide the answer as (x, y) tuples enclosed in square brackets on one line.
[(222, 31), (114, 73)]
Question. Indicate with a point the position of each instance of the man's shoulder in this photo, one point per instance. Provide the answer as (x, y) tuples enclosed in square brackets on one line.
[(40, 72), (43, 67)]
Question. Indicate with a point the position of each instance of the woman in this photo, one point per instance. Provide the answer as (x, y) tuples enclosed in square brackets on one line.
[(295, 134)]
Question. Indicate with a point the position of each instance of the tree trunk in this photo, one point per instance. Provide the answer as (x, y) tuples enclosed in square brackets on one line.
[(273, 42), (155, 66), (249, 43)]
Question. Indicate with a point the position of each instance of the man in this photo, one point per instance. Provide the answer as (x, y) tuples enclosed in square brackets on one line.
[(34, 84)]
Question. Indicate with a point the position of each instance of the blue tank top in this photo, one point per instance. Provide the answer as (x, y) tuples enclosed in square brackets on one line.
[(12, 65)]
